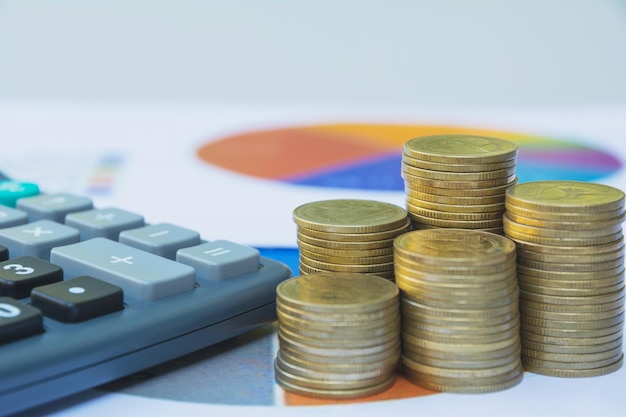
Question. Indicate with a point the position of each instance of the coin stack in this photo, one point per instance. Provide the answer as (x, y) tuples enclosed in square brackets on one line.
[(570, 251), (348, 235), (338, 334), (459, 308), (458, 181)]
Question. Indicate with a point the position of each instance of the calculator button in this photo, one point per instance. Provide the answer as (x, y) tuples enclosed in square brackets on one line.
[(11, 191), (4, 253), (53, 206), (161, 239), (140, 274), (37, 238), (220, 259), (18, 320), (20, 275), (77, 299), (108, 222), (11, 217)]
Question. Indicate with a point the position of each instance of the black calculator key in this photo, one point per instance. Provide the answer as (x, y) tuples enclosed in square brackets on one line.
[(77, 299), (20, 275), (18, 320), (4, 253)]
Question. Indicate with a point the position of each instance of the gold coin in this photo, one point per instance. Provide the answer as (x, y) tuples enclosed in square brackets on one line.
[(577, 308), (386, 364), (456, 208), (573, 325), (543, 368), (350, 216), (571, 316), (356, 237), (461, 347), (327, 381), (613, 224), (338, 393), (459, 192), (475, 386), (363, 313), (457, 185), (572, 357), (574, 348), (471, 329), (578, 284), (572, 267), (571, 333), (494, 230), (569, 275), (341, 259), (461, 373), (346, 245), (529, 255), (565, 216), (510, 226), (455, 201), (456, 224), (572, 250), (357, 359), (468, 355), (454, 247), (458, 176), (415, 271), (339, 342), (323, 331), (451, 313), (467, 363), (565, 196), (296, 366), (446, 167), (570, 366), (334, 351), (412, 337), (517, 236), (329, 266), (572, 300), (570, 292), (356, 253), (306, 270), (460, 149), (449, 215), (413, 266), (570, 341)]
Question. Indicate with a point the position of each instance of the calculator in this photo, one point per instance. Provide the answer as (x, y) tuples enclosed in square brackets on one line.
[(89, 295)]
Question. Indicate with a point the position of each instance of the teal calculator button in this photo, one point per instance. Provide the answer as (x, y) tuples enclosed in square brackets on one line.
[(11, 191)]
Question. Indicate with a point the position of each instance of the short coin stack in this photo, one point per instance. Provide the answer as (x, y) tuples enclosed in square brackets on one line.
[(458, 181), (349, 235), (339, 335), (459, 308), (570, 251)]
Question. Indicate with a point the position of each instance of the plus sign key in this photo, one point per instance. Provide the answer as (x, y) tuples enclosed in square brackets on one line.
[(142, 275), (37, 239)]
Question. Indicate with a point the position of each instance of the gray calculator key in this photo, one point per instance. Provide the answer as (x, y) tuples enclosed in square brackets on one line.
[(11, 217), (162, 239), (37, 238), (140, 274), (107, 222), (53, 206), (220, 259)]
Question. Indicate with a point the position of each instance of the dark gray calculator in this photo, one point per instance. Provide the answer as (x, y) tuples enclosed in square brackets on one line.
[(89, 295)]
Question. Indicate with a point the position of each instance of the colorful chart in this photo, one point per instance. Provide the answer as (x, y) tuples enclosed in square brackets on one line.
[(368, 157)]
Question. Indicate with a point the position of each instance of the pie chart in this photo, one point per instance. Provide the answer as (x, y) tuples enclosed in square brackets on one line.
[(368, 156)]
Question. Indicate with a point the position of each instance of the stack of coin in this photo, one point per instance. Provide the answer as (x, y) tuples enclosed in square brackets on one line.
[(459, 308), (458, 181), (338, 334), (570, 254), (349, 235)]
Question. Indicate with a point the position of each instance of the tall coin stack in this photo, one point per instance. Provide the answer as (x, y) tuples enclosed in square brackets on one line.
[(349, 235), (458, 181), (339, 335), (459, 308), (570, 251)]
